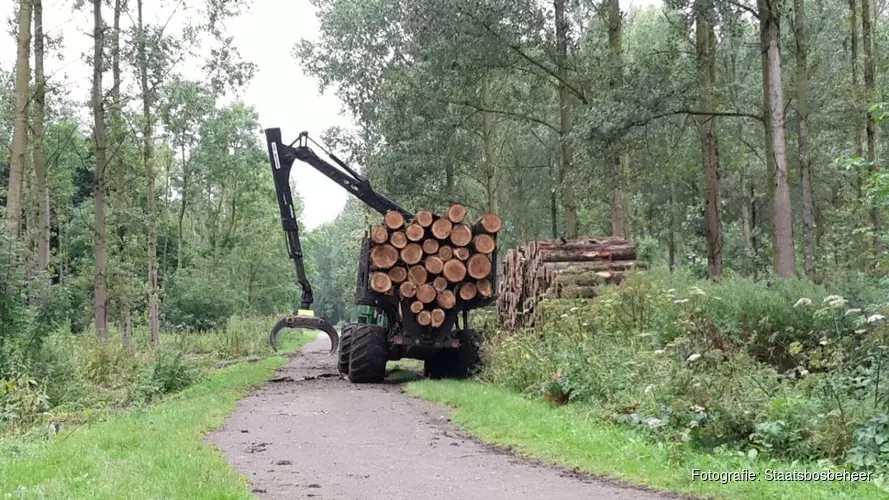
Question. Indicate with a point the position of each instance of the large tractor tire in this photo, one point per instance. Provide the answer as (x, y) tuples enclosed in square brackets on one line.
[(458, 363), (369, 354), (345, 349)]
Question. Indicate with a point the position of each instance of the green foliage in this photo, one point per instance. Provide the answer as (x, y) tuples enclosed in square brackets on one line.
[(196, 302), (787, 369), (169, 373)]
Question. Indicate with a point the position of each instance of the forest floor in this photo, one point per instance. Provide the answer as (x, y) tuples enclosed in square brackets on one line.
[(309, 433)]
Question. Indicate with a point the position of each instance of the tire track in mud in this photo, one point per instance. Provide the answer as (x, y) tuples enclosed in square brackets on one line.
[(308, 433)]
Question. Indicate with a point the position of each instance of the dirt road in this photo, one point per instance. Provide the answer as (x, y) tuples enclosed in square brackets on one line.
[(319, 436)]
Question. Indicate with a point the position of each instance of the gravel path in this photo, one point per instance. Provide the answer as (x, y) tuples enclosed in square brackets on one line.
[(308, 433)]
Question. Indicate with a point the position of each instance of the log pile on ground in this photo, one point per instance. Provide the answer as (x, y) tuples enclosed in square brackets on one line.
[(559, 269), (433, 261)]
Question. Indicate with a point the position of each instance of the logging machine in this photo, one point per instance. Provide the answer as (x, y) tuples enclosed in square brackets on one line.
[(382, 332)]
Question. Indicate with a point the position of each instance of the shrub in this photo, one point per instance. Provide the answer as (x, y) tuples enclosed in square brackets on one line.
[(787, 368), (195, 302)]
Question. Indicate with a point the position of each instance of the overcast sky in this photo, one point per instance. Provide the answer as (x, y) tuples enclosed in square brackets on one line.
[(282, 95)]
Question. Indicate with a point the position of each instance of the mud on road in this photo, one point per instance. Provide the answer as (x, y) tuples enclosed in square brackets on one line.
[(309, 434)]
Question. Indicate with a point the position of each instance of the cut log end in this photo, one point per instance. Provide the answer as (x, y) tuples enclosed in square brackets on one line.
[(424, 318), (416, 306), (438, 318), (440, 283), (461, 253), (380, 282), (426, 293), (490, 223), (379, 234), (484, 243), (468, 291), (415, 232), (407, 289), (441, 228), (434, 265), (456, 213), (383, 256), (394, 219), (445, 253), (397, 274), (461, 235), (454, 270), (411, 254), (479, 266), (418, 275), (430, 246), (484, 288), (446, 299), (398, 239), (424, 218)]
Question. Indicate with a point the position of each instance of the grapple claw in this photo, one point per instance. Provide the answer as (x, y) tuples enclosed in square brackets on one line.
[(311, 322)]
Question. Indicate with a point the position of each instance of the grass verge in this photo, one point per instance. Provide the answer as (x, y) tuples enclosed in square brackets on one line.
[(568, 436), (158, 452)]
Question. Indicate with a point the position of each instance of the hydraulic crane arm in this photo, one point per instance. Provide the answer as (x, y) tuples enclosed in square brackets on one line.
[(282, 156)]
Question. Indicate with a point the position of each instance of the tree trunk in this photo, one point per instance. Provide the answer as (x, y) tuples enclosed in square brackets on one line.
[(38, 127), (674, 220), (183, 203), (118, 130), (706, 46), (805, 147), (616, 162), (489, 136), (859, 133), (782, 216), (98, 105), (147, 128), (867, 38), (19, 147), (569, 204)]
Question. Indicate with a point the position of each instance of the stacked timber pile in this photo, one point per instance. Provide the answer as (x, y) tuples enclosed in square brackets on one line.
[(433, 261), (559, 269)]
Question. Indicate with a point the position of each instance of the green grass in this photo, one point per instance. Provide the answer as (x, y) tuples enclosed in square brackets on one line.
[(568, 436), (158, 452)]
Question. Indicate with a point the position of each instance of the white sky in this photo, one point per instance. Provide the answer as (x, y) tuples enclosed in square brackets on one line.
[(281, 93)]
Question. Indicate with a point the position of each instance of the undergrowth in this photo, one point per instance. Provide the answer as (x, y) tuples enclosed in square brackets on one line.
[(785, 370), (72, 377)]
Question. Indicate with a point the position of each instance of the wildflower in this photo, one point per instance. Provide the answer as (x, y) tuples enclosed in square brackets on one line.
[(680, 301), (648, 388), (659, 351), (852, 311), (803, 302), (835, 301), (564, 316), (671, 291), (697, 291), (573, 309), (693, 357), (876, 317), (697, 409), (654, 422)]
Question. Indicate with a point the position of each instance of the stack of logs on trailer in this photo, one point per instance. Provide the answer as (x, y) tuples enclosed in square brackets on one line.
[(559, 269), (434, 260)]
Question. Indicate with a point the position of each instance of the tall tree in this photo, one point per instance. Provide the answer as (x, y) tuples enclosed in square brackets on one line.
[(782, 216), (38, 127), (867, 39), (19, 146), (805, 141), (118, 131), (617, 160), (705, 42), (99, 145), (569, 205), (147, 153)]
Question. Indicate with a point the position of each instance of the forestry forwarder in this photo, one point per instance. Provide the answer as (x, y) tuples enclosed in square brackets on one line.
[(382, 332)]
